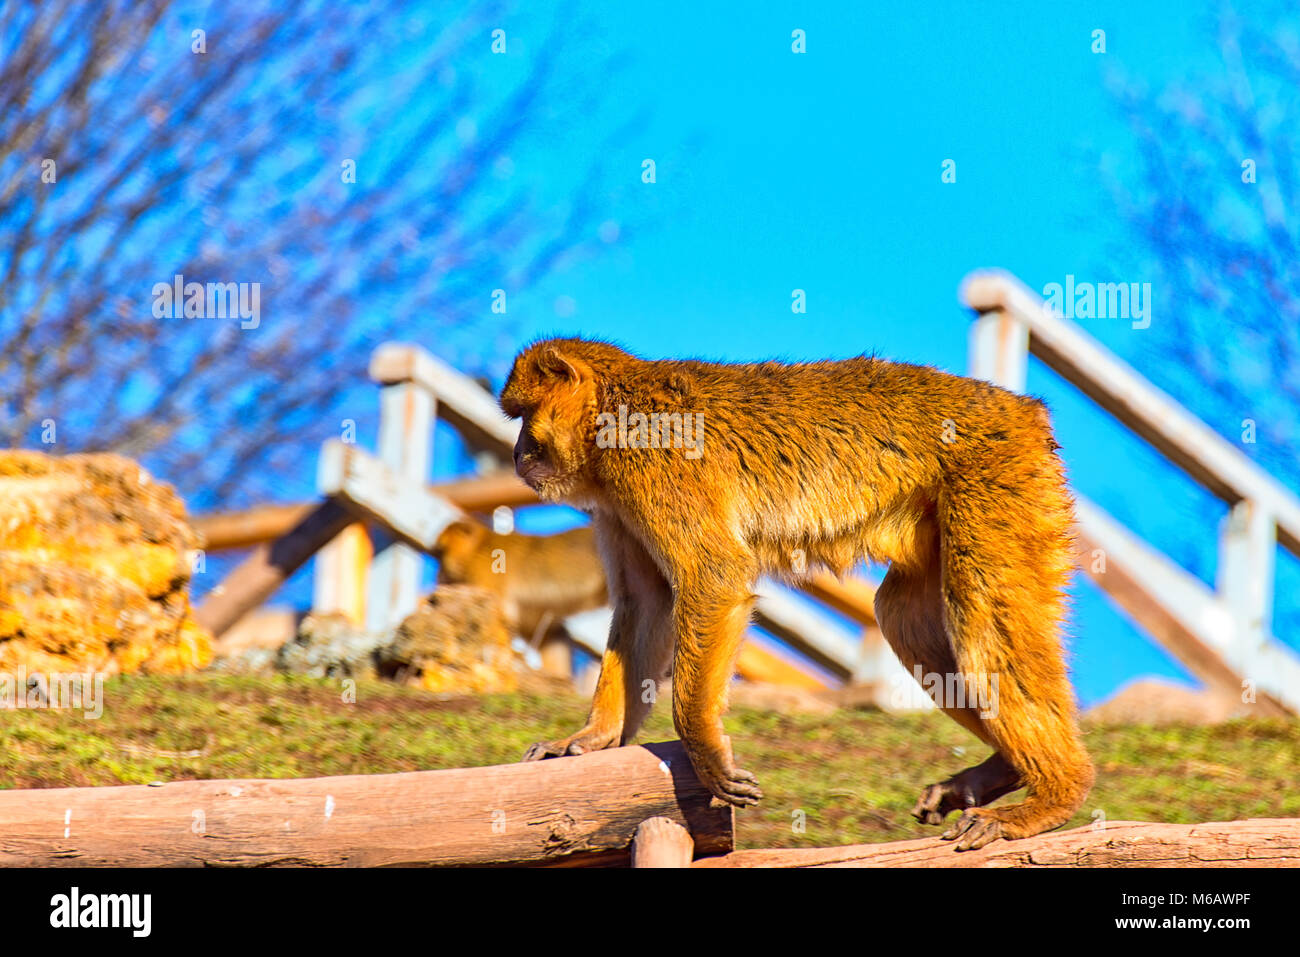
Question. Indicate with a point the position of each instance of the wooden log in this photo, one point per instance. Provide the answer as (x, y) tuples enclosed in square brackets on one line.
[(662, 842), (243, 529), (258, 576), (221, 531), (1262, 842), (562, 811), (486, 492)]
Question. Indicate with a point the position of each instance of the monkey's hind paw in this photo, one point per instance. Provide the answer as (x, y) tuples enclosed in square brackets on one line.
[(734, 786), (938, 800), (974, 829)]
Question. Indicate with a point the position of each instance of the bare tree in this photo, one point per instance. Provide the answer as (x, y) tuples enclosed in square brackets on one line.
[(357, 162), (1215, 205)]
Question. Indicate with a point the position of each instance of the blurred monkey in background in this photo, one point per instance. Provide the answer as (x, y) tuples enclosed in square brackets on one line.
[(539, 579)]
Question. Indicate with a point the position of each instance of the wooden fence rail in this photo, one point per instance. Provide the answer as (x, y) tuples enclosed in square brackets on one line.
[(639, 805)]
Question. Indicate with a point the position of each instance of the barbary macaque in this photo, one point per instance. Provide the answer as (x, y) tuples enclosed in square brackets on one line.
[(954, 482), (539, 579)]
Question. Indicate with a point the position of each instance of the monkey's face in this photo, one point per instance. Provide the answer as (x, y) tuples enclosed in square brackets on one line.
[(550, 455), (555, 395)]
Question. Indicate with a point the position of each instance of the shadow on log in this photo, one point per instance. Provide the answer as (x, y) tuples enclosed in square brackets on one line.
[(1256, 843), (566, 811)]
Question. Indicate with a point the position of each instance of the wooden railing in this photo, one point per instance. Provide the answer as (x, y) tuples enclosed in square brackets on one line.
[(1223, 635)]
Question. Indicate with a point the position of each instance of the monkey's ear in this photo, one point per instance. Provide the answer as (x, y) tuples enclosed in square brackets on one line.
[(551, 361)]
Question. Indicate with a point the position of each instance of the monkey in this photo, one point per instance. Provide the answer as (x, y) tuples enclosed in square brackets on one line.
[(954, 482), (538, 579)]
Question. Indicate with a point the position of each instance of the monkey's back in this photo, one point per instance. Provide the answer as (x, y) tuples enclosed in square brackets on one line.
[(831, 455)]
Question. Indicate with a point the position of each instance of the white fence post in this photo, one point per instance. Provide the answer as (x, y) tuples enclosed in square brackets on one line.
[(999, 349), (406, 417), (1247, 555)]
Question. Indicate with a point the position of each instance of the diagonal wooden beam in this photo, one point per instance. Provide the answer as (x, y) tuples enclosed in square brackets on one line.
[(258, 576), (263, 523)]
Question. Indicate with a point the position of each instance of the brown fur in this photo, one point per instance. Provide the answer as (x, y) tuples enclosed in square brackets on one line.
[(954, 482), (539, 579)]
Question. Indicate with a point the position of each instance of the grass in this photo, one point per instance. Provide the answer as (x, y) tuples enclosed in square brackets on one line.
[(847, 778)]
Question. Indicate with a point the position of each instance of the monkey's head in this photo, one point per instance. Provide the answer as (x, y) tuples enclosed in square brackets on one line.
[(553, 388), (458, 542)]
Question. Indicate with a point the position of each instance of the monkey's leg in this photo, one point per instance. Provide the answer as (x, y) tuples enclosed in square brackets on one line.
[(910, 613), (652, 654), (1003, 598), (604, 727), (710, 623), (637, 654)]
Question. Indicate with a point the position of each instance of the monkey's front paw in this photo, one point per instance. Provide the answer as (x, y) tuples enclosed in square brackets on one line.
[(731, 784), (580, 743), (545, 749), (974, 829), (716, 769)]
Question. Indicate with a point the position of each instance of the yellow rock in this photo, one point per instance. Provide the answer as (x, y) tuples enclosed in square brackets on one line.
[(94, 567)]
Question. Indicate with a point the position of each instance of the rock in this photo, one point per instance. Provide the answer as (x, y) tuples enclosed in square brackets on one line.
[(330, 646), (1157, 701), (95, 566), (456, 641), (251, 645)]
